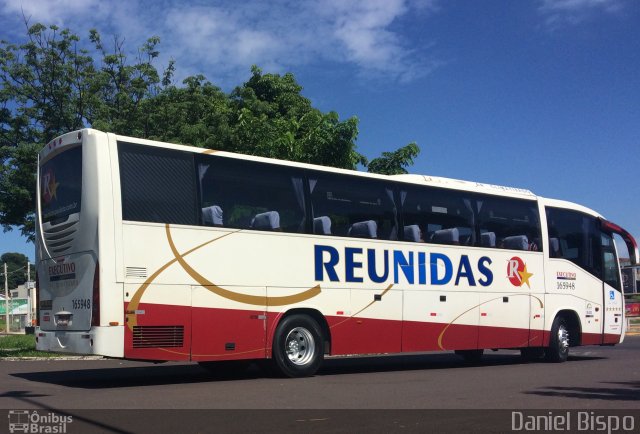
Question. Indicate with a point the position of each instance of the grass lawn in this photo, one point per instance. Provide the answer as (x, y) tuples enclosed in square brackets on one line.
[(21, 346)]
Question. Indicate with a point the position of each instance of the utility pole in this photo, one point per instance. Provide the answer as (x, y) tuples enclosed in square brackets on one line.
[(6, 297), (30, 299)]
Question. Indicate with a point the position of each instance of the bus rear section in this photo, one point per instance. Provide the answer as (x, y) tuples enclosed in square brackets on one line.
[(67, 249)]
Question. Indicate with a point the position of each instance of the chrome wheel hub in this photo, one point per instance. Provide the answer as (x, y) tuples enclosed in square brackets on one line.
[(563, 338), (300, 346)]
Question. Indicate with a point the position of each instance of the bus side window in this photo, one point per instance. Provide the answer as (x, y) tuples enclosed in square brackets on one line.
[(579, 238), (509, 223), (349, 206), (146, 194), (445, 215), (253, 195)]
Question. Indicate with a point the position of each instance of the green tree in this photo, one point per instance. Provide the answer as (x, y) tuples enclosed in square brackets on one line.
[(271, 118), (44, 92), (16, 269), (50, 85), (395, 163), (196, 114)]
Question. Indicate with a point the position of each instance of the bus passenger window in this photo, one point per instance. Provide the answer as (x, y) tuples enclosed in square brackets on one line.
[(509, 223), (579, 238), (349, 206), (446, 215), (253, 195)]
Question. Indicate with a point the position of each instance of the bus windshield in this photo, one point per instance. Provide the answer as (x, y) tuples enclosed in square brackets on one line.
[(61, 185)]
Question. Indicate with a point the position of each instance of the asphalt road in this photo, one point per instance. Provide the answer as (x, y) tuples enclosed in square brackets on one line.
[(593, 378)]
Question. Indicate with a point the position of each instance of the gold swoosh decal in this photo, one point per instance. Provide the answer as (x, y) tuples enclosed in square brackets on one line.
[(255, 300), (132, 319), (484, 302)]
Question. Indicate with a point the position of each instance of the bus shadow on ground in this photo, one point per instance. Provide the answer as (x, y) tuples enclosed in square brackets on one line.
[(170, 373), (356, 365), (613, 391)]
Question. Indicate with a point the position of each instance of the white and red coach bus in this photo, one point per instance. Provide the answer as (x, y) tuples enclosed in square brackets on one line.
[(148, 250)]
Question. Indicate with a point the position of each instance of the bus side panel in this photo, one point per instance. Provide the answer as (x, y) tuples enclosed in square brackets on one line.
[(227, 332), (440, 320), (376, 325), (158, 331)]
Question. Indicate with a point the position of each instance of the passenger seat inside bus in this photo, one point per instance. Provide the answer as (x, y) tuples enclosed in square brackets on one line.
[(446, 236), (322, 225), (516, 242), (212, 216), (412, 233), (266, 221), (488, 239), (554, 248), (365, 229)]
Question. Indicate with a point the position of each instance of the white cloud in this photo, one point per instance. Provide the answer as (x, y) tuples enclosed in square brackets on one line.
[(560, 12), (222, 39), (50, 11)]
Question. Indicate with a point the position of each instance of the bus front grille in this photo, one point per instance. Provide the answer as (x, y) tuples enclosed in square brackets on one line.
[(158, 336)]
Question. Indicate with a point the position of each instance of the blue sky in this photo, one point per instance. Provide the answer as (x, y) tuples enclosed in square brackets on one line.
[(538, 94)]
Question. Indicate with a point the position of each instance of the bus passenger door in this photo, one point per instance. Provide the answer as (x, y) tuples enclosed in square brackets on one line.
[(613, 307), (613, 298), (226, 324)]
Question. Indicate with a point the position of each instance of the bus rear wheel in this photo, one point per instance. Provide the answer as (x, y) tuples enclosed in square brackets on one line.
[(558, 350), (297, 346)]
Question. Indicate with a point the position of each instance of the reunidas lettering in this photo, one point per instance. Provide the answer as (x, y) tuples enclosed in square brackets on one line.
[(413, 267)]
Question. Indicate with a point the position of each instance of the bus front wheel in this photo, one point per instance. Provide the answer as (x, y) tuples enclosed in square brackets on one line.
[(297, 346), (558, 350)]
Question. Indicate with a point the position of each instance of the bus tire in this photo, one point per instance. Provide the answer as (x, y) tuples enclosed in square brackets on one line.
[(470, 356), (558, 349), (298, 346)]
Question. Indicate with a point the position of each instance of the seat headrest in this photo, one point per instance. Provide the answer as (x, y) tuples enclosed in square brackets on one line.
[(488, 239), (269, 220), (412, 233), (365, 229), (322, 225), (212, 216), (446, 236), (516, 242)]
